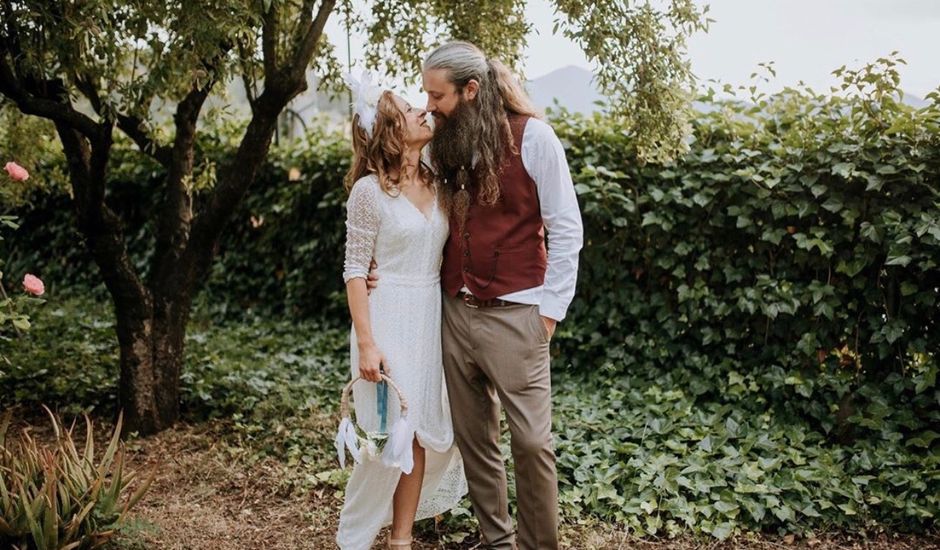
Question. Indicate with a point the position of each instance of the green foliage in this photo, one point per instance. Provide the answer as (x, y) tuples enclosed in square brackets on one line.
[(75, 329), (12, 317), (281, 237), (638, 50), (60, 497), (31, 143), (644, 451), (796, 248), (647, 450), (278, 384), (400, 27)]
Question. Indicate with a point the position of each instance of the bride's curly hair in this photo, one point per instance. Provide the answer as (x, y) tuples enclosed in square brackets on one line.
[(382, 153)]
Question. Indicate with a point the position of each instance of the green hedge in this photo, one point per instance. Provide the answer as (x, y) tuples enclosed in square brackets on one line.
[(789, 260)]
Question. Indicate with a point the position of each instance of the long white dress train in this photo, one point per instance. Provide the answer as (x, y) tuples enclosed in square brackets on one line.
[(405, 311)]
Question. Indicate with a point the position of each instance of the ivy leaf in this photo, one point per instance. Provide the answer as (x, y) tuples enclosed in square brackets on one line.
[(923, 439), (833, 204), (784, 513), (898, 260), (843, 169)]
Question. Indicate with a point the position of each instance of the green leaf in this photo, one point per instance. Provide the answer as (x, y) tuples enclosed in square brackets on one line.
[(898, 260), (923, 439), (783, 512), (832, 204), (722, 531)]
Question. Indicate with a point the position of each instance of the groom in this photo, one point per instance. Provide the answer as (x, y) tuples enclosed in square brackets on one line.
[(506, 184)]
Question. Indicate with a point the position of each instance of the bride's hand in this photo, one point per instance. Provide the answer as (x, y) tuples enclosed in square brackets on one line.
[(371, 363)]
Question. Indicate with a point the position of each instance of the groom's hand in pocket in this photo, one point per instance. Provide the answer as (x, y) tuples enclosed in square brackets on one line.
[(550, 325), (372, 281)]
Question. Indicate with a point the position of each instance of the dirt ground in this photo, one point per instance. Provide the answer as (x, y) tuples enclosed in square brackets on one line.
[(205, 498)]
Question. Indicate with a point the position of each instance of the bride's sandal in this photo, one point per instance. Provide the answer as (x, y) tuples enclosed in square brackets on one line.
[(399, 544)]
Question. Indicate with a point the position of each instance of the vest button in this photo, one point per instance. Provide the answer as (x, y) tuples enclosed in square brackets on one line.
[(466, 235), (466, 269), (466, 252)]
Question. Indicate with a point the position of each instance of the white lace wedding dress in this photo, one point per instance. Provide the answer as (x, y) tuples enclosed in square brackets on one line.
[(405, 311)]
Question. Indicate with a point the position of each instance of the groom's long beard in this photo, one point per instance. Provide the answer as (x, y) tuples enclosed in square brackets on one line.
[(452, 149)]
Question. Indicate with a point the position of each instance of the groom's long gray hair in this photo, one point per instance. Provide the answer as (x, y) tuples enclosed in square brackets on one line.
[(500, 93)]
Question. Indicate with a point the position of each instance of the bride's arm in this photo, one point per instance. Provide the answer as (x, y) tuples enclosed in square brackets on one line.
[(362, 227), (370, 358)]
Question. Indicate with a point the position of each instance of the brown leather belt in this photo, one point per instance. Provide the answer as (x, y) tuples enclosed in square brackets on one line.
[(472, 301)]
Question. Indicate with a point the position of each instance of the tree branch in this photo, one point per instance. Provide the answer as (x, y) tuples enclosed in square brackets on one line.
[(308, 43), (35, 104), (280, 86), (269, 30), (245, 60), (87, 164), (176, 212), (173, 222), (89, 89), (134, 128)]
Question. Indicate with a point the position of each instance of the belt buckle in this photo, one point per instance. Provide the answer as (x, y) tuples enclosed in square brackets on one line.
[(466, 301)]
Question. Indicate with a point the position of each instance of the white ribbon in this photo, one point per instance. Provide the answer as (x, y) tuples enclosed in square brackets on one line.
[(366, 95), (398, 452), (346, 438)]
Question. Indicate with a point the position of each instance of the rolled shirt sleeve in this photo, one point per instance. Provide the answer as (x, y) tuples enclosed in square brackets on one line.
[(544, 159)]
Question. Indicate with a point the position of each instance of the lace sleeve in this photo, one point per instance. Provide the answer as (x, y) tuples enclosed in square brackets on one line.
[(362, 226)]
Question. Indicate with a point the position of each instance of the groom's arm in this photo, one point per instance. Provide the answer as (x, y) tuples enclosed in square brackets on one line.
[(544, 159)]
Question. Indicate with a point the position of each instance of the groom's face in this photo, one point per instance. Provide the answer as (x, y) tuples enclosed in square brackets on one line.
[(443, 97)]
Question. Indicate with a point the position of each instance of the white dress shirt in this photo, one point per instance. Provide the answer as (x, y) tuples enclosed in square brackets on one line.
[(544, 159)]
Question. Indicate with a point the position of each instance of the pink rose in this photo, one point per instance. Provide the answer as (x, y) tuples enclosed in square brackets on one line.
[(16, 171), (33, 285)]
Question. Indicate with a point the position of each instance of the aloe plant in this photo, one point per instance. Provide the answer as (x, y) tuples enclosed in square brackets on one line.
[(55, 497)]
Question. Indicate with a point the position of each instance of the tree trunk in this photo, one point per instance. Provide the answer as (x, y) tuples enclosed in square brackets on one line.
[(137, 388), (168, 350), (151, 339)]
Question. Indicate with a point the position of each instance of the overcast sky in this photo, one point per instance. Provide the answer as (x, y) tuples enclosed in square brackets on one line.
[(806, 39)]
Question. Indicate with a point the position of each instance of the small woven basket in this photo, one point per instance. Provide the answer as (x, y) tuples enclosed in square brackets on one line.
[(371, 443), (347, 389)]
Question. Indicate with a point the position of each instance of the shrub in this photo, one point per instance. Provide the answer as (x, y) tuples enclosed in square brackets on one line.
[(59, 497)]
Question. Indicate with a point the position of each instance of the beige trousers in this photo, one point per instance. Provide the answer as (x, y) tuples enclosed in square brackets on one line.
[(503, 353)]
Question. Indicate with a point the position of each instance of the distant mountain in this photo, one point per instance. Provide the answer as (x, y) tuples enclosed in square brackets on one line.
[(575, 89), (914, 101)]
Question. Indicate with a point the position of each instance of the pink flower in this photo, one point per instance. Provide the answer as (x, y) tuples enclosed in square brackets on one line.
[(33, 285), (16, 171)]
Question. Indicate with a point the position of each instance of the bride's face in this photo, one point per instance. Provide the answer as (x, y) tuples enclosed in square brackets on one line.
[(417, 130)]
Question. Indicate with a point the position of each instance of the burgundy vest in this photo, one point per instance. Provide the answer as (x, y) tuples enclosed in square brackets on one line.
[(502, 247)]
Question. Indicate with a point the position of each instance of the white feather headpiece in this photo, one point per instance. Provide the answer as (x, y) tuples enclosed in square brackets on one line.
[(366, 95)]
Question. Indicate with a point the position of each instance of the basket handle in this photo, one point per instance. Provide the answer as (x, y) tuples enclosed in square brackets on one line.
[(347, 389)]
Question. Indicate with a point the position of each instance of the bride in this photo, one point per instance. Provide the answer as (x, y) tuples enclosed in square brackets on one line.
[(394, 216)]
